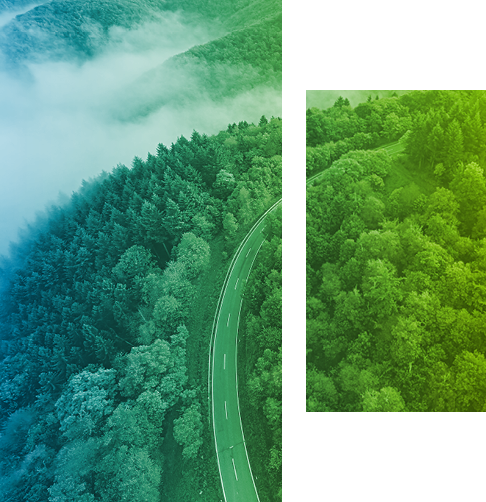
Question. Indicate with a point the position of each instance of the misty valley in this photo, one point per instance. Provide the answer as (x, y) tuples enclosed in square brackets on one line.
[(98, 82), (113, 260)]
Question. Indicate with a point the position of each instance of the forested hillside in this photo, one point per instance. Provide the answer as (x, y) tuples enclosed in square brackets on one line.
[(239, 47), (96, 301), (61, 28), (13, 5), (396, 247), (245, 59)]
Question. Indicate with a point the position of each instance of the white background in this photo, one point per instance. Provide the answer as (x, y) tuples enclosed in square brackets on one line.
[(361, 456)]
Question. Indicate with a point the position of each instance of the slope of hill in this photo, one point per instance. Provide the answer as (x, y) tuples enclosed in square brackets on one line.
[(63, 29), (244, 59), (103, 348), (396, 246), (241, 46)]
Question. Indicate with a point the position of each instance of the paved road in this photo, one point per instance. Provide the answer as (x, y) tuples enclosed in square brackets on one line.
[(234, 467)]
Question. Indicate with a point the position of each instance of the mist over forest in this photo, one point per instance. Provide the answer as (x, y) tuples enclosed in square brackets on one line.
[(72, 103), (325, 99)]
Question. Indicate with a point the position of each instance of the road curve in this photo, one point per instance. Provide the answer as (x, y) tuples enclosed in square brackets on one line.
[(233, 463)]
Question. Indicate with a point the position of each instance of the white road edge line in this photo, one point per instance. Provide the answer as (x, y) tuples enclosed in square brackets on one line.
[(212, 404), (251, 266), (234, 467), (237, 394)]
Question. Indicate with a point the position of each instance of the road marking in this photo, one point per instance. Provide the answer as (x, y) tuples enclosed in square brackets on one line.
[(212, 352), (224, 362), (226, 410), (237, 282), (248, 253), (227, 323), (254, 258), (236, 475), (262, 229), (239, 312)]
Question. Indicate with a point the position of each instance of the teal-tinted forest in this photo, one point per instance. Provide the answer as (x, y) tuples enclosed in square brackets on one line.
[(396, 254), (106, 80), (106, 311)]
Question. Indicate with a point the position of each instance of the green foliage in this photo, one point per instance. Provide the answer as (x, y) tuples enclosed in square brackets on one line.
[(193, 253), (396, 272), (87, 398), (94, 304), (187, 431), (387, 399)]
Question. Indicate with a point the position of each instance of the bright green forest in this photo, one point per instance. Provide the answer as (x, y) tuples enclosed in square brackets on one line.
[(396, 253), (106, 307)]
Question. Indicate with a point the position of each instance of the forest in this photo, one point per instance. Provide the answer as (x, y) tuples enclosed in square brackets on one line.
[(243, 48), (396, 254), (102, 347), (245, 59)]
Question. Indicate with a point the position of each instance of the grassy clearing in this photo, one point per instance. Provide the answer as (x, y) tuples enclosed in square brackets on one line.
[(404, 174), (393, 148)]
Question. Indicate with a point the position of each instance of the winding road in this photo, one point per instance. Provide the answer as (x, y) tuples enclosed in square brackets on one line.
[(233, 463)]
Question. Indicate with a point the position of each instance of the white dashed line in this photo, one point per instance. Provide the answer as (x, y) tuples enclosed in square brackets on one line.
[(236, 475), (236, 285), (226, 410), (227, 323), (248, 253)]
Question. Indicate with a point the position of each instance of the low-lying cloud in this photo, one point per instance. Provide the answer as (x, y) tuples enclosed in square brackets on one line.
[(59, 127)]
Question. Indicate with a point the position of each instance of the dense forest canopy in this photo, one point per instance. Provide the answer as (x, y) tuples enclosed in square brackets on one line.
[(396, 246), (95, 302), (79, 78)]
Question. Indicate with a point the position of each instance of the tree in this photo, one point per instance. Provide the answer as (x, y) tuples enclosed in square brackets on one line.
[(187, 431), (469, 187), (135, 261), (75, 466), (470, 382), (387, 399), (145, 367), (407, 335), (230, 226), (381, 288), (224, 185), (127, 474), (454, 145), (194, 253), (321, 392), (87, 400)]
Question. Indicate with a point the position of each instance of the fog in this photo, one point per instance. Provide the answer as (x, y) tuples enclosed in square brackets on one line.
[(325, 99), (59, 127), (6, 16)]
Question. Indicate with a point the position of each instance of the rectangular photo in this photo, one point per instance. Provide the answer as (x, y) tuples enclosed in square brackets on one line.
[(140, 250), (396, 251)]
